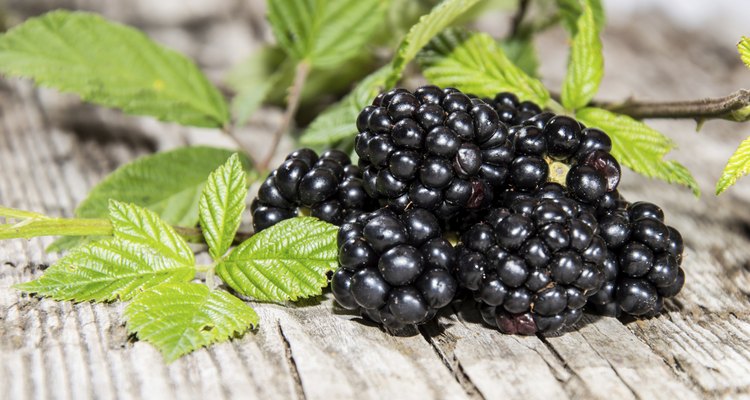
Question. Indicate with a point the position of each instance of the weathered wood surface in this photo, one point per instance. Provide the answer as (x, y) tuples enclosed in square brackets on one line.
[(52, 150)]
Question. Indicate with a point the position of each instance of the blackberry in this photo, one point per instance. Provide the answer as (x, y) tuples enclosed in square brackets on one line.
[(394, 267), (433, 148), (557, 148), (644, 258), (329, 186), (532, 264)]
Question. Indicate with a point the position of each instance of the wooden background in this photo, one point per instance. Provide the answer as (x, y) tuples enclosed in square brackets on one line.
[(53, 149)]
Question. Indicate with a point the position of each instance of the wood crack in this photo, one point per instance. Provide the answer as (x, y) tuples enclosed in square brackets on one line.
[(291, 362), (453, 365)]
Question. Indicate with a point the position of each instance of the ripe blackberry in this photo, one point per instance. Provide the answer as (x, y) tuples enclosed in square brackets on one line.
[(394, 267), (557, 148), (644, 258), (532, 264), (434, 149), (329, 186)]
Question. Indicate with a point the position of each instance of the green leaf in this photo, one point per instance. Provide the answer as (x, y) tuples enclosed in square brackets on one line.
[(221, 205), (442, 16), (571, 11), (68, 242), (737, 167), (113, 65), (338, 122), (287, 261), (521, 52), (107, 270), (586, 64), (254, 79), (141, 226), (475, 63), (180, 318), (168, 183), (639, 147), (744, 48), (325, 33)]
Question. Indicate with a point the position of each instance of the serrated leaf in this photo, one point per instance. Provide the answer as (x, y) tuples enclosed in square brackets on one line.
[(324, 33), (737, 167), (113, 65), (221, 205), (107, 270), (744, 48), (429, 25), (475, 63), (180, 318), (639, 147), (141, 226), (338, 122), (168, 183), (287, 261), (586, 64), (571, 10)]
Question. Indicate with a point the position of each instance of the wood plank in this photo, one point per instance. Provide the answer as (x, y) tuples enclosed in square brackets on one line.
[(52, 150), (339, 355)]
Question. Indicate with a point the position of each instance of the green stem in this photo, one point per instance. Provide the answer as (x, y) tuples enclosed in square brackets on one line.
[(295, 95), (204, 267), (556, 107), (46, 226), (20, 214), (56, 227)]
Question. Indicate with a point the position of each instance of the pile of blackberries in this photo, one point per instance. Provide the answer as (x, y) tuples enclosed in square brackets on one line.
[(539, 231)]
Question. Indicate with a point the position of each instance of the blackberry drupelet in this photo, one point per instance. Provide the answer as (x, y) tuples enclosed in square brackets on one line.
[(394, 267), (329, 186), (643, 261), (557, 148), (532, 264), (434, 149)]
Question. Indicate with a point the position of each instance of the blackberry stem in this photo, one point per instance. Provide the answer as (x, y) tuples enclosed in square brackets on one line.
[(43, 225), (735, 107), (295, 93), (523, 6)]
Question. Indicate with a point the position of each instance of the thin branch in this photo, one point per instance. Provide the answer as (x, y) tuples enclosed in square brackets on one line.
[(523, 7), (295, 94), (722, 107)]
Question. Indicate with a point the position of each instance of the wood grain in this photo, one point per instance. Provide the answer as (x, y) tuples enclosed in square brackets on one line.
[(53, 149)]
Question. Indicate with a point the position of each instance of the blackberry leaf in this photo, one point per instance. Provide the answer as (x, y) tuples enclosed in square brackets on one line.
[(586, 65), (639, 147), (744, 48), (571, 10), (737, 167), (140, 226), (429, 25), (113, 65), (182, 317), (107, 270), (324, 33), (221, 205), (475, 63), (167, 183), (287, 261)]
